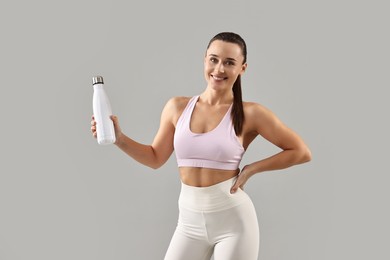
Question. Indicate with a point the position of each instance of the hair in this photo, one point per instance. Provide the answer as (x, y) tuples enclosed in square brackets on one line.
[(238, 108)]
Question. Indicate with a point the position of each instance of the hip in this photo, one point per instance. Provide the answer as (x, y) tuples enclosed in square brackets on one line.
[(212, 198)]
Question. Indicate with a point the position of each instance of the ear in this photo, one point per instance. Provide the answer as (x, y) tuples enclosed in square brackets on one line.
[(243, 68)]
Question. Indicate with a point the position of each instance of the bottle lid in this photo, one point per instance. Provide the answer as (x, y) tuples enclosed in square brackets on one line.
[(97, 80)]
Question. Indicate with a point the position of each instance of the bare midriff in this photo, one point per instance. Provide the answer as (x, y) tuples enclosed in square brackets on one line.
[(204, 177)]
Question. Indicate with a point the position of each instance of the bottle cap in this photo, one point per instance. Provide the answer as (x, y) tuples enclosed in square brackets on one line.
[(97, 80)]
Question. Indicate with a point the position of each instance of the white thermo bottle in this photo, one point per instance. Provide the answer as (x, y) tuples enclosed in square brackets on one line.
[(102, 112)]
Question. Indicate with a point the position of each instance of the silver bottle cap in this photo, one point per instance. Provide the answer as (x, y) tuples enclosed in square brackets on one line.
[(97, 80)]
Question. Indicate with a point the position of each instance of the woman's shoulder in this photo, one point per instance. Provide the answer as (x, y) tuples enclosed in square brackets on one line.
[(178, 103), (256, 113), (255, 109), (179, 100), (175, 107)]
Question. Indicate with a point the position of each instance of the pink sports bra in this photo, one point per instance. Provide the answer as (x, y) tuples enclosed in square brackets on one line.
[(216, 149)]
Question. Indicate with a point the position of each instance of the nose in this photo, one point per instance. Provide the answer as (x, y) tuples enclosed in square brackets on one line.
[(220, 68)]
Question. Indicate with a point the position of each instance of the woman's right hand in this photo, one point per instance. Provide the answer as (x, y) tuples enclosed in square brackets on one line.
[(117, 129)]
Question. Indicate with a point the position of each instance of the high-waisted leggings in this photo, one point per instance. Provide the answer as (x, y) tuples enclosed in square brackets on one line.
[(214, 221)]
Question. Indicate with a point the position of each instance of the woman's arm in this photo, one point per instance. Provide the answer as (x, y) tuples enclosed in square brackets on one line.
[(261, 121), (156, 154)]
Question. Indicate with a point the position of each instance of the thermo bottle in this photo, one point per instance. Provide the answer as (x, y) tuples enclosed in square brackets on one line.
[(102, 112)]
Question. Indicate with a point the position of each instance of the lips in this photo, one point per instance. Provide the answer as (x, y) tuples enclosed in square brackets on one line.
[(218, 78)]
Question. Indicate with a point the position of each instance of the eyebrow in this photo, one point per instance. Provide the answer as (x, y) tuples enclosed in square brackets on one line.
[(214, 55)]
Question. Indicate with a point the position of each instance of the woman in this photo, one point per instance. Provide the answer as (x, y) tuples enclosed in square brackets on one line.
[(210, 134)]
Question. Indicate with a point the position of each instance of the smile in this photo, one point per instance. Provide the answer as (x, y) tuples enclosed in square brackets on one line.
[(218, 78)]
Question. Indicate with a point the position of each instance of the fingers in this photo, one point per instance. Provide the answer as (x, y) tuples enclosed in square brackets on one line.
[(113, 118), (93, 127), (93, 130), (242, 178), (235, 187)]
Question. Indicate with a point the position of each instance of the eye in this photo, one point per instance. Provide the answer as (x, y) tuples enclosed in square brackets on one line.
[(229, 63), (213, 60)]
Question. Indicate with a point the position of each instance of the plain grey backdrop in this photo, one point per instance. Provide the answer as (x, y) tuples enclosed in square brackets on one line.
[(321, 66)]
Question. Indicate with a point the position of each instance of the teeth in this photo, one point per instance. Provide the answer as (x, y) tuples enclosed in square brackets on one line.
[(218, 78)]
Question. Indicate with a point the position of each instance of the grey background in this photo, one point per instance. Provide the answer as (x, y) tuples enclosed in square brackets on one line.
[(321, 66)]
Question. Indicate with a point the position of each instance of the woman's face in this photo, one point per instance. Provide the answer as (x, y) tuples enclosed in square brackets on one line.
[(223, 64)]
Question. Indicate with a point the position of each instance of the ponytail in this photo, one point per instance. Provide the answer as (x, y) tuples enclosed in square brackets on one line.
[(238, 108)]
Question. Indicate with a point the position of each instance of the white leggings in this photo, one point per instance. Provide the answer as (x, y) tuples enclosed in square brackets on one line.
[(213, 221)]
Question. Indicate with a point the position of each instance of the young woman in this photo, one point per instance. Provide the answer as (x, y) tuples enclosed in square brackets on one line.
[(209, 134)]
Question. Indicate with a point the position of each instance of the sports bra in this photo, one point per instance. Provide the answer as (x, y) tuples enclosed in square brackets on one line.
[(216, 149)]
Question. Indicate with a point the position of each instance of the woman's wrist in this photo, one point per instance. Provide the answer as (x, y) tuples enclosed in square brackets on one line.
[(250, 170), (119, 139)]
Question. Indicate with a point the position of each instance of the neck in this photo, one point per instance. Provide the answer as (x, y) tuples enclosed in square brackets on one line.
[(214, 97)]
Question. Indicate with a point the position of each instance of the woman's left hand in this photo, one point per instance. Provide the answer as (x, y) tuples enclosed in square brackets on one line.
[(240, 181)]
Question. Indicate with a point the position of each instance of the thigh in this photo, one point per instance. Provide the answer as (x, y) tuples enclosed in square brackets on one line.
[(183, 247), (235, 248), (242, 237), (189, 242)]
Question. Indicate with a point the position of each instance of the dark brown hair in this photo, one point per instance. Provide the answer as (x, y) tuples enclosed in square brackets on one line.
[(238, 109)]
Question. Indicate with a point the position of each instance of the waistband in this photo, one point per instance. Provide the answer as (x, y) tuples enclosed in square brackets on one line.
[(212, 198), (202, 163)]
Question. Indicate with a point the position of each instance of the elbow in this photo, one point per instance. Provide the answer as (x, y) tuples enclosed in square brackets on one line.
[(300, 155), (305, 155), (155, 166), (156, 161)]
